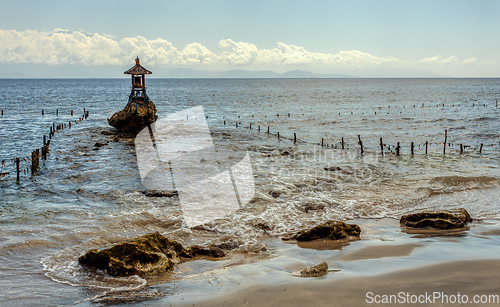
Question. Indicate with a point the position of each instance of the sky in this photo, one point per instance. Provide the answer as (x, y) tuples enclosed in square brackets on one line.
[(386, 38)]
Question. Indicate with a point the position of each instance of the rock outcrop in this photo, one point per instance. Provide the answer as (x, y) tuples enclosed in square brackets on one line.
[(332, 230), (438, 220), (132, 119), (314, 271), (159, 193), (150, 254)]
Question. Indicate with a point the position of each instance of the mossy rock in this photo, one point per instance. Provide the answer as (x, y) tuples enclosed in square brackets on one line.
[(315, 271), (438, 220), (212, 251), (332, 230), (150, 254), (133, 119)]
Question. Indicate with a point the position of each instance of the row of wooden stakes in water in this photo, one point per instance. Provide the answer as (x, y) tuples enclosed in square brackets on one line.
[(380, 108), (404, 107), (57, 112), (344, 145), (35, 154)]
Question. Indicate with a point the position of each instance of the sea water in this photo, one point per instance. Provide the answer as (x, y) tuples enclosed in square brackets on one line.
[(86, 197)]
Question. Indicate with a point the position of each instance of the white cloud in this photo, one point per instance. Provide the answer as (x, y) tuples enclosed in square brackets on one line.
[(57, 47), (431, 59), (449, 60), (195, 53), (438, 59), (156, 51), (237, 53), (78, 47), (469, 61)]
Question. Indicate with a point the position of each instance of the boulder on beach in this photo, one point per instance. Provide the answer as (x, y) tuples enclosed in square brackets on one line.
[(134, 117), (344, 170), (439, 220), (159, 193), (276, 192), (314, 271), (332, 230), (150, 254)]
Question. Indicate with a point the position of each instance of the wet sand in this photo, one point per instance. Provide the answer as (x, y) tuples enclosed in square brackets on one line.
[(431, 283), (406, 267), (388, 264)]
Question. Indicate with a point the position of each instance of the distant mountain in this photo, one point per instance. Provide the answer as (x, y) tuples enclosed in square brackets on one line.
[(15, 75), (249, 74), (298, 74), (302, 74), (334, 76), (27, 70)]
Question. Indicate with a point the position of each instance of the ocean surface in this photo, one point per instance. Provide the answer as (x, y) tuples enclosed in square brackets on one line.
[(86, 197)]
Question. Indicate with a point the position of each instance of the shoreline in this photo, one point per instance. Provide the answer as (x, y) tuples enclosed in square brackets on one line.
[(444, 284), (386, 261)]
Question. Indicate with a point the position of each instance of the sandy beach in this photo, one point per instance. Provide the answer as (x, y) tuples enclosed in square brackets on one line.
[(460, 281), (387, 266)]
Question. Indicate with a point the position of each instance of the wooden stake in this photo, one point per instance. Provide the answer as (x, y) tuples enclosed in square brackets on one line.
[(33, 163), (321, 142), (267, 129), (445, 138), (381, 147), (426, 143), (294, 138), (258, 127), (412, 145), (44, 140), (360, 143), (278, 135), (71, 112), (397, 149), (342, 142), (481, 148), (18, 160), (57, 112), (44, 152), (43, 112), (461, 149), (250, 125), (36, 161)]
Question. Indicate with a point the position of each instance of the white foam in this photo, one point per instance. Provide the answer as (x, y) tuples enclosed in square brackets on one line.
[(63, 267)]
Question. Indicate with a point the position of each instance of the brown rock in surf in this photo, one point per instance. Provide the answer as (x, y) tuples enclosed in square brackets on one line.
[(332, 230), (314, 271), (439, 220), (150, 254)]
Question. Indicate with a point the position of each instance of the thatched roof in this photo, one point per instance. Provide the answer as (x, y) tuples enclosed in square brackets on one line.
[(137, 69)]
